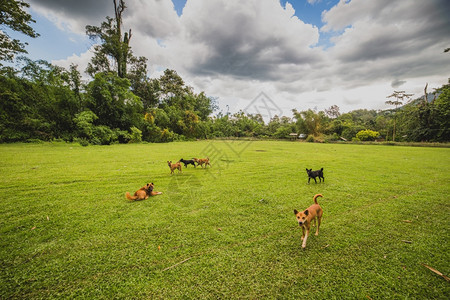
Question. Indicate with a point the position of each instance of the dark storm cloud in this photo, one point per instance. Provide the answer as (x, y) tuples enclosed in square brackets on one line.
[(404, 31), (86, 9), (75, 14), (397, 83), (242, 44)]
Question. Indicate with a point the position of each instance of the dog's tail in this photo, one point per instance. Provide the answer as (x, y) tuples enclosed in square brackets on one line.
[(315, 198), (129, 197)]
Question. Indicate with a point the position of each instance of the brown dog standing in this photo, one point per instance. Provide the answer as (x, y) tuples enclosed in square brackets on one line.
[(143, 193), (174, 166), (201, 161), (304, 218)]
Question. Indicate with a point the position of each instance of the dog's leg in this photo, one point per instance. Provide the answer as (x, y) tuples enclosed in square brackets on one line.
[(306, 237), (309, 178), (315, 180), (303, 232), (319, 219)]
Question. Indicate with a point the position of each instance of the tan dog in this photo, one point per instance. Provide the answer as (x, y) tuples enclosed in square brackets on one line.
[(143, 193), (201, 161), (305, 218), (174, 166)]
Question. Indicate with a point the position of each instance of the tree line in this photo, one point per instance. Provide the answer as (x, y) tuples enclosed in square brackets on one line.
[(120, 103)]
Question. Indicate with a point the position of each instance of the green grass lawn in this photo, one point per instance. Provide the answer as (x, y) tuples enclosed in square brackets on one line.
[(229, 231)]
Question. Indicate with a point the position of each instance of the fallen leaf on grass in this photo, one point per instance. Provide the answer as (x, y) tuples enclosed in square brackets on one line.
[(407, 221), (33, 228), (48, 219), (326, 246), (220, 229), (159, 248), (436, 271), (405, 241)]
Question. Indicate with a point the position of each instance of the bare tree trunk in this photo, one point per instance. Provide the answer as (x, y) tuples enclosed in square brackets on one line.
[(123, 44)]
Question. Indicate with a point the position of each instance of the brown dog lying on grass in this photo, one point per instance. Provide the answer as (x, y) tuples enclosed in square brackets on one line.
[(201, 161), (304, 218), (174, 166), (143, 193)]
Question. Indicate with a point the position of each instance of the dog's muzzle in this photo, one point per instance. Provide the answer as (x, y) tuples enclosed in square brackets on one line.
[(300, 223)]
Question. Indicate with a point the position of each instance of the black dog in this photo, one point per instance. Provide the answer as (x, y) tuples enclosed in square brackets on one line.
[(187, 162), (313, 174)]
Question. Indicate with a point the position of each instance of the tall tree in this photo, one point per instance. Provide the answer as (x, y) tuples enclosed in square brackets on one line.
[(399, 96), (113, 45), (309, 121), (14, 17)]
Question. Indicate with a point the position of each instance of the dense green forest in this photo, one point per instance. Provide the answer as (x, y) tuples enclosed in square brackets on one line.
[(120, 103)]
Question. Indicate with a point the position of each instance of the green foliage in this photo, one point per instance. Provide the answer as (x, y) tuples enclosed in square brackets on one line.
[(85, 124), (111, 100), (103, 135), (14, 17), (167, 136), (38, 104), (310, 139), (310, 122), (136, 135), (367, 135)]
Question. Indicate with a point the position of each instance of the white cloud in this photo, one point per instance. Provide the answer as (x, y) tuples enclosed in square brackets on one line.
[(234, 50), (81, 61)]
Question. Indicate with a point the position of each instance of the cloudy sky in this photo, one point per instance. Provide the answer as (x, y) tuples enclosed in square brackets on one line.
[(300, 54)]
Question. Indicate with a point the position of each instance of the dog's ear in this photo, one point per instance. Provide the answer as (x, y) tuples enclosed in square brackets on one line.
[(321, 169), (306, 212), (295, 211)]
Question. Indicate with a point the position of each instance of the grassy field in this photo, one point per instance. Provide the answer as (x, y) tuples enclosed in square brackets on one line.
[(229, 231)]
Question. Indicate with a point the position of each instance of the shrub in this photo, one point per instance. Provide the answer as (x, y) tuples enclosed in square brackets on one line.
[(167, 135), (84, 122), (82, 141), (103, 135), (136, 135), (367, 135), (310, 139)]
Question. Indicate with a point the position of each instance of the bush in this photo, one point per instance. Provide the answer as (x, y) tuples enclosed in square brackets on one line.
[(367, 135), (82, 141), (84, 122), (167, 136), (136, 135), (103, 135), (351, 132), (310, 139)]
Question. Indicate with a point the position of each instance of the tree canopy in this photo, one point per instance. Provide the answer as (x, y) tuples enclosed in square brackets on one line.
[(14, 17)]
